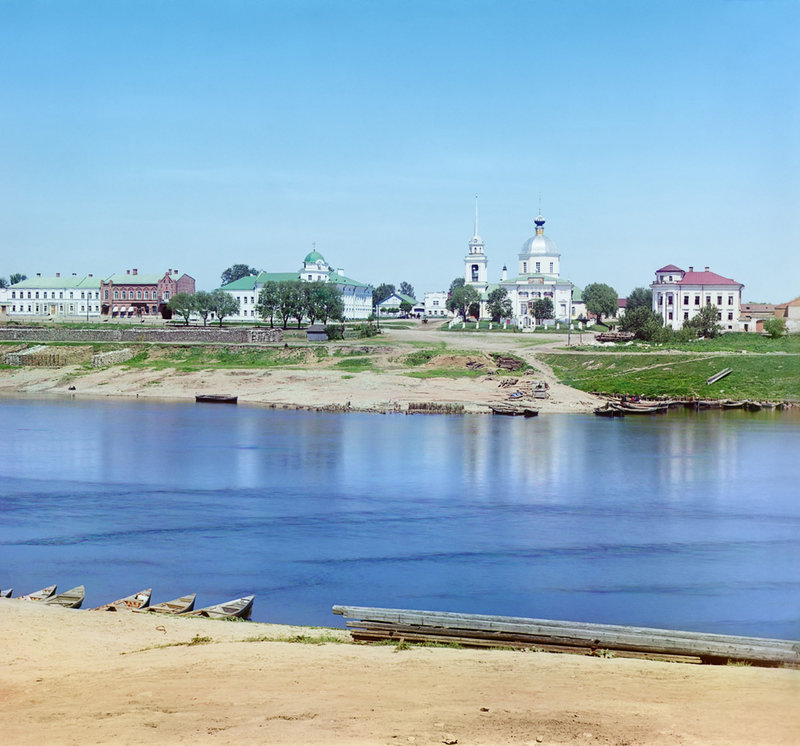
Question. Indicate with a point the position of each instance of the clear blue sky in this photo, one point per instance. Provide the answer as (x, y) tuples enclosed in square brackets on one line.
[(199, 133)]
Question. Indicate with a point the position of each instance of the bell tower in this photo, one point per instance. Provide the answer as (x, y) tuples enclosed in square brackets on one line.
[(475, 262)]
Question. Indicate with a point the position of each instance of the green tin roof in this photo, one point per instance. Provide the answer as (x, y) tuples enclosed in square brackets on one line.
[(56, 283), (138, 279), (313, 256)]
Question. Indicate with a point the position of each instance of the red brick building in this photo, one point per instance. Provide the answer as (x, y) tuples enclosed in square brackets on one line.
[(144, 295)]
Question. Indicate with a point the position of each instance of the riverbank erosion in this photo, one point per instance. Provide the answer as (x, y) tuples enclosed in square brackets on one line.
[(69, 676)]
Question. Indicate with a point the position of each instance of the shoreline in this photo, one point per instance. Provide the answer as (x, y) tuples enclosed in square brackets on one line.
[(144, 679)]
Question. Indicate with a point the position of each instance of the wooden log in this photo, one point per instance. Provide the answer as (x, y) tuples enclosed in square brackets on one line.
[(717, 376), (578, 634)]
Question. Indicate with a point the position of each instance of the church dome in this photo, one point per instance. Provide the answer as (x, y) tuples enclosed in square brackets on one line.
[(539, 244), (314, 256)]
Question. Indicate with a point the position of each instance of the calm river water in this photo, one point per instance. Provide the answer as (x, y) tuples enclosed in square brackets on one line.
[(689, 521)]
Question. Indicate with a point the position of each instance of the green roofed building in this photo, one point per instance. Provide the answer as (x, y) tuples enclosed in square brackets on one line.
[(53, 297), (357, 296)]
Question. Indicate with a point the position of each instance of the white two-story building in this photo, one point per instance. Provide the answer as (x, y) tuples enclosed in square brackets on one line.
[(678, 295)]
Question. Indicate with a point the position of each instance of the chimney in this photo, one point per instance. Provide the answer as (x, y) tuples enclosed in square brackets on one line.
[(127, 271), (169, 271), (505, 273), (706, 269), (136, 271), (58, 274), (691, 268), (174, 271), (74, 274), (340, 271), (91, 275), (38, 274)]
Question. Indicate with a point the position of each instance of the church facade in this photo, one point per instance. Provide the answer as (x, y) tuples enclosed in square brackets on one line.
[(538, 276)]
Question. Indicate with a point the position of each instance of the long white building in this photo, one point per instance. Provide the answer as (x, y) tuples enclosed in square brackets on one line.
[(679, 295), (54, 297), (357, 296)]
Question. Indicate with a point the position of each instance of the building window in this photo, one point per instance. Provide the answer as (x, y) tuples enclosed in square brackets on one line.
[(70, 294), (474, 272), (708, 300), (83, 295), (13, 294), (138, 295), (538, 267), (697, 300), (551, 267), (730, 316), (37, 295), (685, 300), (719, 317), (106, 295), (730, 300), (669, 300), (524, 268), (670, 315), (685, 315), (116, 295), (719, 300), (29, 295)]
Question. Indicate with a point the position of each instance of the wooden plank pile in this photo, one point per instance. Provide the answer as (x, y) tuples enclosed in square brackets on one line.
[(478, 630)]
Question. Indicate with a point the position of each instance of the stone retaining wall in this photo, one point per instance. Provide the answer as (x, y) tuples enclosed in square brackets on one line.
[(114, 357), (47, 356), (209, 335)]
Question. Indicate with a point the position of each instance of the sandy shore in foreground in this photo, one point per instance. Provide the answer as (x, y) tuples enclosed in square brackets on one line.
[(90, 677)]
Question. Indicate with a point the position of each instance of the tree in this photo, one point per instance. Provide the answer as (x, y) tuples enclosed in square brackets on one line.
[(499, 304), (705, 321), (267, 304), (405, 306), (381, 293), (290, 300), (464, 300), (775, 328), (203, 305), (406, 288), (3, 282), (639, 298), (16, 277), (332, 303), (459, 282), (601, 300), (643, 322), (182, 304), (236, 272), (542, 308), (223, 304)]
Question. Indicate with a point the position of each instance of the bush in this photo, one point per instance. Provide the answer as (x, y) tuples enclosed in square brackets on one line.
[(334, 331), (774, 328), (367, 330)]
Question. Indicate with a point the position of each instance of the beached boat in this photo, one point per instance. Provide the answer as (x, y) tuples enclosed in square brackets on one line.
[(176, 606), (71, 599), (513, 410), (640, 408), (609, 411), (240, 608), (216, 398), (41, 595), (137, 601), (731, 404), (7, 593), (752, 406)]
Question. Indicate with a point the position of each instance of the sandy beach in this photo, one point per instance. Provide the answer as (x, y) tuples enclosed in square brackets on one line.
[(100, 677), (315, 385)]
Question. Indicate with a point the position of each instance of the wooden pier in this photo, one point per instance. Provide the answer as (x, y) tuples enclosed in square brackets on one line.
[(478, 630)]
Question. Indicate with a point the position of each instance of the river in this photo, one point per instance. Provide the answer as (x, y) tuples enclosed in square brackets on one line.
[(686, 521)]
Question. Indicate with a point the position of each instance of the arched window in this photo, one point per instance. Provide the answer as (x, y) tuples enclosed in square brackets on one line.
[(474, 272), (138, 295), (116, 295)]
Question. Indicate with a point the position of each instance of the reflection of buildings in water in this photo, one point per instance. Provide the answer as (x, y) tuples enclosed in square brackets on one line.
[(698, 448)]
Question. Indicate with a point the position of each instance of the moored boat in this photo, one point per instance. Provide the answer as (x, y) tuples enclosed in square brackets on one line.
[(639, 408), (240, 608), (40, 595), (216, 398), (137, 601), (71, 599), (6, 593), (609, 411), (176, 606)]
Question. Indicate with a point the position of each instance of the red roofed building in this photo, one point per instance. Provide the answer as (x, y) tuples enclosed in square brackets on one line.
[(679, 295)]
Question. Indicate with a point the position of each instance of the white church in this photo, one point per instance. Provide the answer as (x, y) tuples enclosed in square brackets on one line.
[(538, 276)]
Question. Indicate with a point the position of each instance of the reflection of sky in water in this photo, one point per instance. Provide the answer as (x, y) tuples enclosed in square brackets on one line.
[(685, 520)]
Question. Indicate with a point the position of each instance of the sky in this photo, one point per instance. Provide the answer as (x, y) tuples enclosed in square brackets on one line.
[(195, 134)]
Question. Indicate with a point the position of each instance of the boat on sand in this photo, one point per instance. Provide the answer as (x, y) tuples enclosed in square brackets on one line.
[(137, 601), (71, 599), (40, 595), (240, 608), (176, 606)]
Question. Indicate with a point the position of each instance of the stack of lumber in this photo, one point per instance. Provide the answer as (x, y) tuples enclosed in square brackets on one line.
[(478, 630)]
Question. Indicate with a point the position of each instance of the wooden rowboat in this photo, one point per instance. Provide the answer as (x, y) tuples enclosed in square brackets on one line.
[(216, 398), (513, 410), (137, 601), (176, 606), (240, 608), (41, 595), (71, 599), (6, 594), (609, 411)]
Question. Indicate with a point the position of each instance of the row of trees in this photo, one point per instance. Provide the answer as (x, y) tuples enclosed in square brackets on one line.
[(218, 302), (464, 300), (276, 300), (386, 290)]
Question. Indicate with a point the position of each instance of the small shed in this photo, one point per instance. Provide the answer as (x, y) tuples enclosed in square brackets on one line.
[(316, 333)]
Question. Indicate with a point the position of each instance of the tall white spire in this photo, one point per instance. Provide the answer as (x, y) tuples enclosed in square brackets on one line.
[(476, 215)]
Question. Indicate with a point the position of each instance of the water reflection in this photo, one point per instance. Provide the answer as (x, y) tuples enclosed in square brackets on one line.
[(686, 521)]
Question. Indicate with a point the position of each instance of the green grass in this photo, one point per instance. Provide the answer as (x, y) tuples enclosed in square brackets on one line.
[(760, 377), (355, 364), (447, 373), (729, 342), (202, 357), (420, 357)]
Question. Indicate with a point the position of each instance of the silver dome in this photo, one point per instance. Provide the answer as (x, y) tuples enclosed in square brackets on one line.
[(539, 245)]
